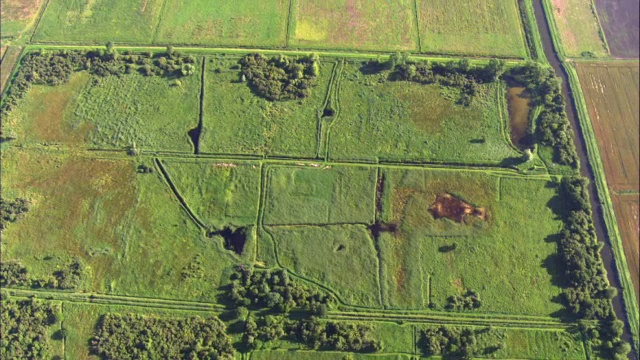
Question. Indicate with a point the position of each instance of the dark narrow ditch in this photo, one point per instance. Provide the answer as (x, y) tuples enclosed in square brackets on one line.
[(194, 134), (234, 239), (585, 169)]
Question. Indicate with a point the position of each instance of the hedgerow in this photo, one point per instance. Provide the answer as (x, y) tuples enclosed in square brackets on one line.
[(12, 210), (587, 294), (144, 337), (454, 343)]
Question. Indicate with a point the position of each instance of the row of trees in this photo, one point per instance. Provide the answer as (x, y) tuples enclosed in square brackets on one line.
[(456, 343), (274, 290), (281, 78), (316, 334), (56, 68), (71, 276), (12, 210), (24, 333), (587, 293), (553, 127), (144, 337)]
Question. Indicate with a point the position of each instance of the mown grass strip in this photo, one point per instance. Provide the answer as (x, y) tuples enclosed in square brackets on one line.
[(593, 154), (531, 32)]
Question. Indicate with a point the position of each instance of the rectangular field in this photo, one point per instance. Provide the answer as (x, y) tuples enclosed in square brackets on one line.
[(17, 16), (578, 26), (611, 91), (621, 24), (99, 21), (472, 27), (407, 121), (353, 25), (222, 22)]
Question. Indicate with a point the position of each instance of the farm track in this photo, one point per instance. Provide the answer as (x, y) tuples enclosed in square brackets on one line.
[(377, 315), (586, 169)]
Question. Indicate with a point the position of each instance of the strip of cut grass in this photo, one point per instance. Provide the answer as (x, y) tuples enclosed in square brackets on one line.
[(353, 25), (476, 27), (220, 22), (237, 121), (342, 257), (406, 121), (320, 195), (99, 21)]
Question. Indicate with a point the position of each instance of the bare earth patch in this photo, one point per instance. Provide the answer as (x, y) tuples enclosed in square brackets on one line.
[(450, 207), (16, 10)]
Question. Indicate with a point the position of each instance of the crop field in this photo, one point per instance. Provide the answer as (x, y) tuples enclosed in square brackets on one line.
[(220, 22), (627, 210), (99, 21), (17, 16), (353, 25), (477, 27), (621, 24), (579, 28), (215, 204)]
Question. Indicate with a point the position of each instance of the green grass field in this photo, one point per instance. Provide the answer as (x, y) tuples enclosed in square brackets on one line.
[(219, 22), (110, 113), (237, 121), (128, 227), (99, 21), (320, 195), (353, 25), (405, 121), (477, 27), (509, 262), (341, 257), (578, 28)]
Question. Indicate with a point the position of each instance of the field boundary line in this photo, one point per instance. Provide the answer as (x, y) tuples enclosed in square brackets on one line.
[(553, 29), (337, 108), (594, 157), (176, 193), (154, 39), (196, 146), (601, 34), (37, 23), (532, 33), (416, 14), (287, 34)]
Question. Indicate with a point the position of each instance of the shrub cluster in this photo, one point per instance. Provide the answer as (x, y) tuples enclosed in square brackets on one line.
[(458, 74), (281, 78), (11, 211), (587, 294), (454, 343), (470, 300), (553, 127), (56, 68), (316, 334), (12, 273), (143, 337), (24, 330), (274, 290)]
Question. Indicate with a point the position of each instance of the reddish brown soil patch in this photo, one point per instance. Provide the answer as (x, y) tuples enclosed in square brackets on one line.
[(19, 9), (621, 23), (450, 207)]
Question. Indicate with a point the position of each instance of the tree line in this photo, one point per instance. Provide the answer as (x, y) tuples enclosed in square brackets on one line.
[(70, 276), (133, 336), (456, 343), (587, 294), (281, 78)]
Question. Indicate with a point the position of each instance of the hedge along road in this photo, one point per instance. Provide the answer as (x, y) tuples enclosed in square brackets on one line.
[(585, 169)]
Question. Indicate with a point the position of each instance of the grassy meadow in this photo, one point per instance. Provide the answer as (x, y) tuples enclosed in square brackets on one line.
[(508, 261), (406, 121), (472, 27), (319, 195), (340, 257), (126, 226), (353, 25), (220, 22), (99, 21), (109, 113), (237, 121), (578, 28)]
